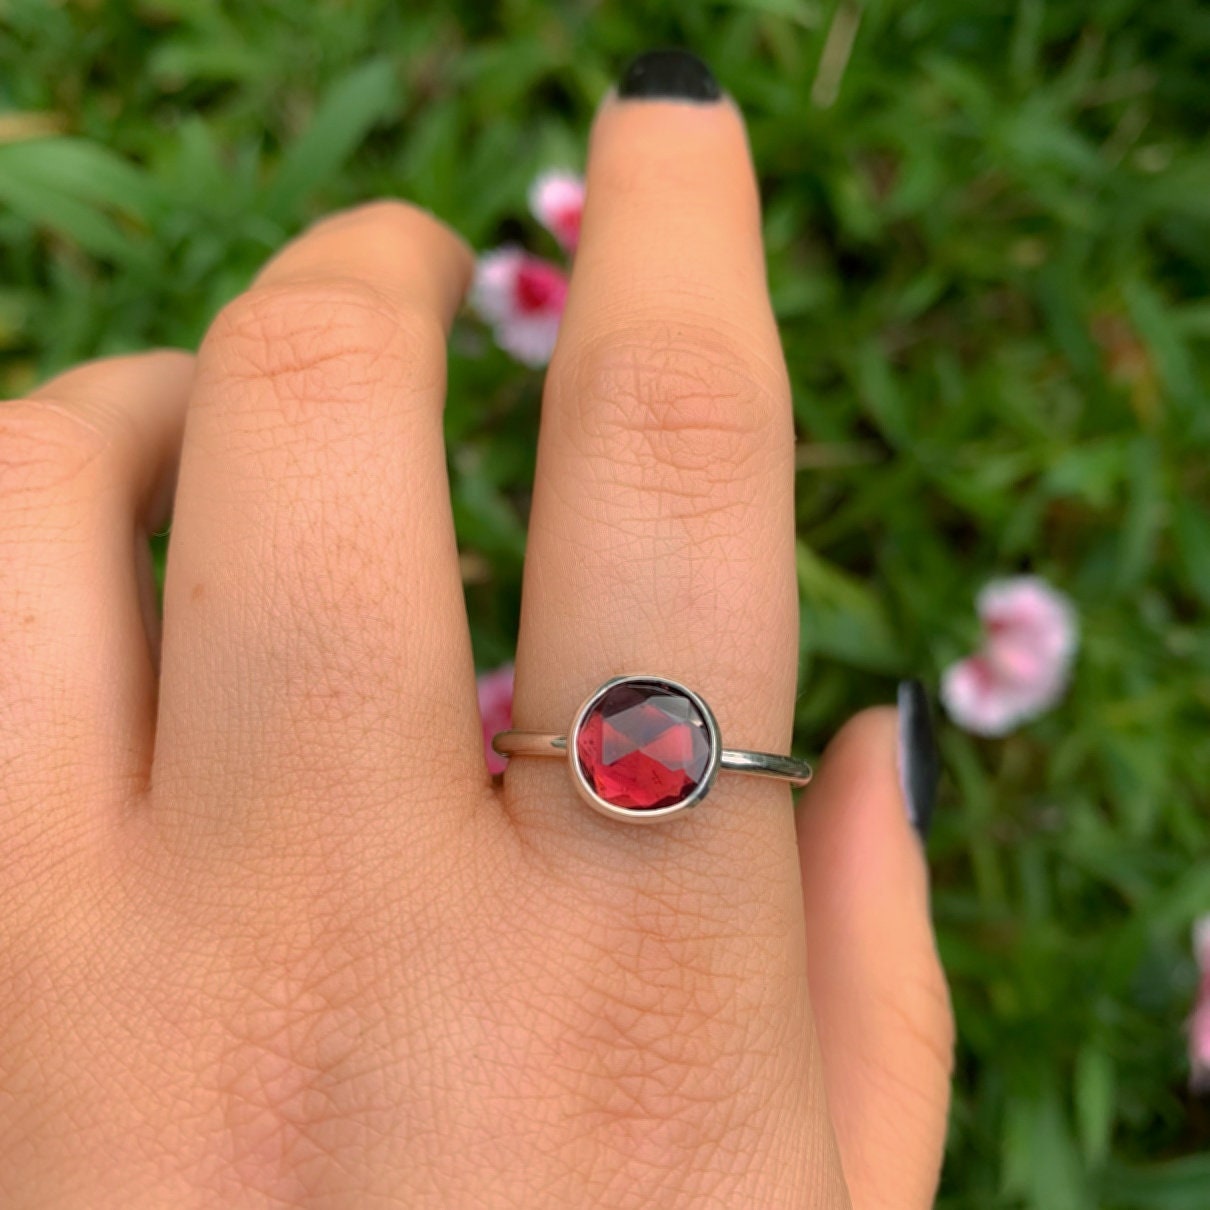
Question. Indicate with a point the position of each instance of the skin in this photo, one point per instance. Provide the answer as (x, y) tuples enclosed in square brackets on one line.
[(269, 935)]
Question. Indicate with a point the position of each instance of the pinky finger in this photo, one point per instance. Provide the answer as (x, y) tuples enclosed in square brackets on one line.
[(877, 989)]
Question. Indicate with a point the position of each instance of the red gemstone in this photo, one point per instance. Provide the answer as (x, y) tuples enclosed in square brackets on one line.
[(643, 744)]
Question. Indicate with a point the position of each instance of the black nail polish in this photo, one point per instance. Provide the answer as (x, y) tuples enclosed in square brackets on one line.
[(919, 760), (674, 75)]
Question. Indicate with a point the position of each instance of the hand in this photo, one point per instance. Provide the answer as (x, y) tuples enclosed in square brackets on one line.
[(269, 934)]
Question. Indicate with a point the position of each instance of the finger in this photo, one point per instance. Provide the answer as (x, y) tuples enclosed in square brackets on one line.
[(661, 535), (881, 1006), (315, 646), (86, 468), (661, 540)]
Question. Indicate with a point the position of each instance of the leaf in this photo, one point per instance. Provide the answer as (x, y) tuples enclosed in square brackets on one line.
[(1041, 1164), (1143, 516), (485, 521), (1095, 1088), (76, 221), (1161, 332), (1092, 471), (1176, 1185), (805, 13), (1016, 1147), (175, 63), (843, 618), (1026, 38), (69, 185), (880, 393), (1191, 528), (344, 116), (81, 171)]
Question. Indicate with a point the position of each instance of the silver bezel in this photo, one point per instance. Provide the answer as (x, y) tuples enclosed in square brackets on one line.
[(638, 814)]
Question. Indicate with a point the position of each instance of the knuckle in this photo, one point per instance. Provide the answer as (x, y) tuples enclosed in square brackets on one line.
[(339, 340), (677, 396), (46, 446)]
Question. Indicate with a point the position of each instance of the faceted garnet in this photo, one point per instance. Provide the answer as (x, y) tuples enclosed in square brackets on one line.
[(643, 745)]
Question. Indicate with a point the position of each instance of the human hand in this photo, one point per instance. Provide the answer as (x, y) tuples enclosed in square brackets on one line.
[(269, 934)]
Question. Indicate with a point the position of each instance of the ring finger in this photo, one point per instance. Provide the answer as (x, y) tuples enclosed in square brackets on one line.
[(662, 533), (661, 541)]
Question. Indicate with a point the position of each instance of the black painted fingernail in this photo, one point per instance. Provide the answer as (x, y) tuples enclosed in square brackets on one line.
[(919, 760), (672, 74)]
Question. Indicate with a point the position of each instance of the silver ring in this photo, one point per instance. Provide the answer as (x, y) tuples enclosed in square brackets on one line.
[(642, 748)]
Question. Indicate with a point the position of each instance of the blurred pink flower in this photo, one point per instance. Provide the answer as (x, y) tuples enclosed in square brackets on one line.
[(495, 710), (1023, 665), (522, 297), (1199, 1023), (557, 201)]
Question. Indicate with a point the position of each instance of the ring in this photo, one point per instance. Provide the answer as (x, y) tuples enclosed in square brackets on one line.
[(642, 748)]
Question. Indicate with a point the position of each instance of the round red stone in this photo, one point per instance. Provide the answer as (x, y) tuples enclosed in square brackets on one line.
[(643, 745)]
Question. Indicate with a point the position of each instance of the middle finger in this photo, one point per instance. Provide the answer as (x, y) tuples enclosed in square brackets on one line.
[(316, 654)]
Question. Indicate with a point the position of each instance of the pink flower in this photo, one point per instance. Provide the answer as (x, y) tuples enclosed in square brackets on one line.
[(557, 201), (495, 710), (522, 297), (1023, 665), (1199, 1023)]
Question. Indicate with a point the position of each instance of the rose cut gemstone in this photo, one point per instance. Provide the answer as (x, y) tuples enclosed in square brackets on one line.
[(643, 744)]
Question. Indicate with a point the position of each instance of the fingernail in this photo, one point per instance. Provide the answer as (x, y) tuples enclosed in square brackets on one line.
[(919, 760), (672, 74)]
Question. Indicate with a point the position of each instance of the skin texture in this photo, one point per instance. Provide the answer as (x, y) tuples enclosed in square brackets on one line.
[(269, 935)]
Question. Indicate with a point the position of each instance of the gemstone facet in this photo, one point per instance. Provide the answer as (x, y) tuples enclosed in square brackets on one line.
[(644, 744)]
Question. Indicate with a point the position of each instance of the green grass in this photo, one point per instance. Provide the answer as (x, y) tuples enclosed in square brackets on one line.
[(991, 258)]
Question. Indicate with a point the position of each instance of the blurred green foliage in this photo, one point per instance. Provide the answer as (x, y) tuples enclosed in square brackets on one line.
[(989, 247)]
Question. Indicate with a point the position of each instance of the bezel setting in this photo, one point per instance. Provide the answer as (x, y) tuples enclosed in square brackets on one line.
[(643, 814)]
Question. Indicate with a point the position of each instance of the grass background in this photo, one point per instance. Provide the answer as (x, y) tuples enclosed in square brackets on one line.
[(989, 247)]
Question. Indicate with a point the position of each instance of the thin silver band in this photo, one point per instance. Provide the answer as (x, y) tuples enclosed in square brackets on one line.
[(737, 760)]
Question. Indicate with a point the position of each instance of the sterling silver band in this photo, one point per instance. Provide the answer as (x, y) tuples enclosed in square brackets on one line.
[(737, 760), (644, 747)]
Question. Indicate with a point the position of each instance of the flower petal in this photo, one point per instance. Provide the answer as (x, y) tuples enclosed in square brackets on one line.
[(494, 288), (1024, 664), (495, 711), (1032, 623), (530, 340), (522, 296), (1199, 1022), (1199, 1044), (979, 700), (1036, 682), (557, 201)]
